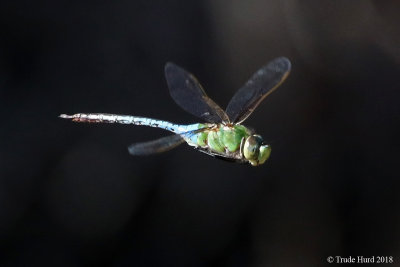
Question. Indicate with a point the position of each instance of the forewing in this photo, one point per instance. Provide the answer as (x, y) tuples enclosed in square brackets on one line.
[(189, 95), (260, 85)]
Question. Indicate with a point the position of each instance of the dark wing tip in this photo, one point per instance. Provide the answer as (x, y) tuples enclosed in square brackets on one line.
[(282, 64), (172, 70), (169, 66), (132, 150), (136, 150)]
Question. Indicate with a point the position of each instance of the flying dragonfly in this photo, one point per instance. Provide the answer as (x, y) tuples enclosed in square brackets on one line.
[(222, 134)]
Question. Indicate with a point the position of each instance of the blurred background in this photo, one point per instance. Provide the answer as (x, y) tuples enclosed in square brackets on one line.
[(71, 195)]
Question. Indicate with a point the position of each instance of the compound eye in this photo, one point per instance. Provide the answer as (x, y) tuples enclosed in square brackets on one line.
[(251, 147), (265, 152)]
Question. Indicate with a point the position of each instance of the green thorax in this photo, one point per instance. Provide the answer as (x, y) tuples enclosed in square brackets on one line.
[(222, 138)]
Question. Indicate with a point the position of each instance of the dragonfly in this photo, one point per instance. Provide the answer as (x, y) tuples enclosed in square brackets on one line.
[(221, 134)]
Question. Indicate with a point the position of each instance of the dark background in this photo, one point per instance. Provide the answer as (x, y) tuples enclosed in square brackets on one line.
[(71, 195)]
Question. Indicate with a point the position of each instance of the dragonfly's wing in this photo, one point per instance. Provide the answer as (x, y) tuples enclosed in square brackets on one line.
[(260, 85), (156, 146), (162, 144), (221, 156), (189, 95)]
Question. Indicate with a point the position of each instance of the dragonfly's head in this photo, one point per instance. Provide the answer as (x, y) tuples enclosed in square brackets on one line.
[(255, 151)]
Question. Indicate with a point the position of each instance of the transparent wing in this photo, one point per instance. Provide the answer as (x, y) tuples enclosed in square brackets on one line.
[(156, 146), (162, 144), (221, 156), (260, 85), (189, 95)]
